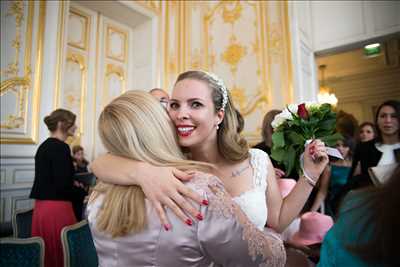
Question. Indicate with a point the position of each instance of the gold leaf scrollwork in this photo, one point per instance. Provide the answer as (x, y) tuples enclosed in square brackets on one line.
[(230, 16), (239, 97), (17, 120), (13, 122), (245, 105), (275, 41), (233, 54), (195, 60), (118, 70), (16, 9)]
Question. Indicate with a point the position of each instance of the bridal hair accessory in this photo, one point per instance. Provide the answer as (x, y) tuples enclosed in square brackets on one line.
[(222, 87)]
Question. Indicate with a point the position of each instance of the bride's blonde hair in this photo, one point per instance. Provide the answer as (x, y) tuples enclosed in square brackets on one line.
[(135, 126)]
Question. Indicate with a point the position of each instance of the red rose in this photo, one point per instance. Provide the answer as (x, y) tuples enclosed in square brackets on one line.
[(302, 111)]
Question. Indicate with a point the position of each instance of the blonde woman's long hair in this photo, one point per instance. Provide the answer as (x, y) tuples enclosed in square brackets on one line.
[(135, 126)]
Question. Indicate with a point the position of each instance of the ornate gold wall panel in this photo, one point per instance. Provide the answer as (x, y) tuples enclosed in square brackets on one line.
[(116, 43), (115, 59), (114, 83), (78, 23), (21, 63), (244, 42), (71, 80)]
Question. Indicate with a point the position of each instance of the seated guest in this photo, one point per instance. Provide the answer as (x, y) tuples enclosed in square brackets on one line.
[(339, 172), (80, 163), (367, 131), (81, 166), (367, 231), (346, 124), (266, 143), (124, 223)]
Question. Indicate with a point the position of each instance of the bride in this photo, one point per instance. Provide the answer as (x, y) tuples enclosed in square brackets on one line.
[(205, 121)]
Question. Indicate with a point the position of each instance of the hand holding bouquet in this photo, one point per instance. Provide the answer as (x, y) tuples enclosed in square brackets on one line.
[(297, 124)]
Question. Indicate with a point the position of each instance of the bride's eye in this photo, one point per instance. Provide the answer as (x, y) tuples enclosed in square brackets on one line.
[(197, 105), (173, 105)]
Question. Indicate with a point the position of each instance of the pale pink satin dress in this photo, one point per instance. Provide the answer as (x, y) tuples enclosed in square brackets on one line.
[(225, 237)]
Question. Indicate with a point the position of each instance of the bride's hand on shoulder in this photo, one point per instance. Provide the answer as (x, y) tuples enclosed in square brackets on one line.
[(315, 158), (164, 188)]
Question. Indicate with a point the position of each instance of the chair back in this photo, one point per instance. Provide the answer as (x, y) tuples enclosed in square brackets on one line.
[(22, 223), (78, 246), (22, 252)]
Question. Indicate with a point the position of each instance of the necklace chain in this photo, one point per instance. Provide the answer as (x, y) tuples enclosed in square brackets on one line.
[(240, 171)]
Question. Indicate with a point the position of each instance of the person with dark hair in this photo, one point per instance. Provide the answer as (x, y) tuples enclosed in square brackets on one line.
[(266, 143), (80, 163), (334, 178), (53, 187), (383, 150), (367, 232), (346, 124), (267, 131), (81, 167), (367, 131)]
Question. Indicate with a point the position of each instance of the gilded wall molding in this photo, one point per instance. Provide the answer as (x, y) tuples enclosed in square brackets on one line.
[(69, 98), (24, 83), (123, 53), (113, 70), (82, 16), (152, 5)]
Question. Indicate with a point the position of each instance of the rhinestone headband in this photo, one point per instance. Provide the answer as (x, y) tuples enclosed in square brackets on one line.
[(222, 87)]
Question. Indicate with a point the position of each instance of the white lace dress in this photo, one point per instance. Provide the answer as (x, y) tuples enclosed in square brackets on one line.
[(253, 201)]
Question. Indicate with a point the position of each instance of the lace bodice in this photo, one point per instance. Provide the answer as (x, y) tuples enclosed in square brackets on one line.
[(253, 201)]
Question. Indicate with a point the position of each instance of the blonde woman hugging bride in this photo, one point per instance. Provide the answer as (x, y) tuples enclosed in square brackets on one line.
[(124, 225), (205, 124)]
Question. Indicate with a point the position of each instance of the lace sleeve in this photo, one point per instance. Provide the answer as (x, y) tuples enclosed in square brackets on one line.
[(228, 237)]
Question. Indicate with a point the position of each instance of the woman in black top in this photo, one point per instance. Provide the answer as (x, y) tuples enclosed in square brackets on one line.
[(53, 188), (383, 150)]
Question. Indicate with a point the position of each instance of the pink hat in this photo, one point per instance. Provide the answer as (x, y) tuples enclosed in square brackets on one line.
[(286, 185), (313, 227)]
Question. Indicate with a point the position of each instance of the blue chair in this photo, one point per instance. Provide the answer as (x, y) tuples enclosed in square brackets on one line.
[(78, 246), (22, 223), (22, 252)]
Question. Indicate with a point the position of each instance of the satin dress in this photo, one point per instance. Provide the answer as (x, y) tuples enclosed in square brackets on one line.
[(225, 237)]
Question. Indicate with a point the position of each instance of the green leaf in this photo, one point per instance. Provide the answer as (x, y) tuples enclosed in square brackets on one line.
[(278, 139), (289, 159), (296, 138), (330, 140), (278, 154), (328, 124)]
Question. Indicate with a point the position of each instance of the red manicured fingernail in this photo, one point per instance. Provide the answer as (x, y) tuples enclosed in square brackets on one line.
[(167, 227), (189, 222), (199, 216), (205, 202)]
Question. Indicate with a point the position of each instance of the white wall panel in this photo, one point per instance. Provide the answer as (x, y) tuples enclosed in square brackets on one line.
[(340, 23)]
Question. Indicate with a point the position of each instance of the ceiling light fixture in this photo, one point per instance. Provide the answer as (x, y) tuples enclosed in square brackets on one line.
[(324, 95)]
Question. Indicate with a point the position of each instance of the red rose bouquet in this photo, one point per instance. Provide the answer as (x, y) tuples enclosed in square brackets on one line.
[(295, 125)]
